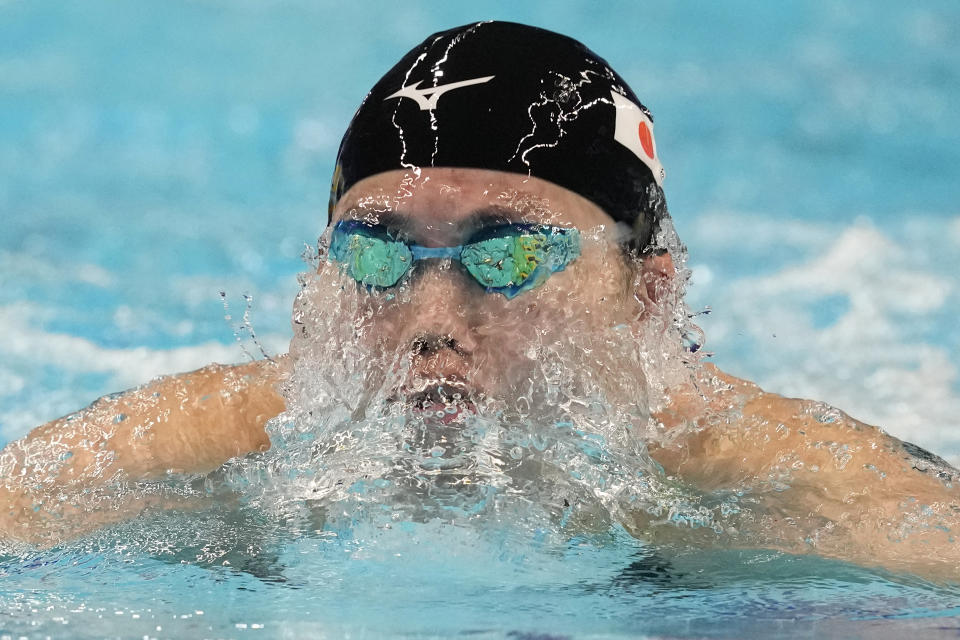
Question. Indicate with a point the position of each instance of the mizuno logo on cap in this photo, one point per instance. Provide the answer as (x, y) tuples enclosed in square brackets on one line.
[(427, 98)]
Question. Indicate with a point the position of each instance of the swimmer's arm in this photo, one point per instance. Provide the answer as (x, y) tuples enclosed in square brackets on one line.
[(188, 423), (824, 483)]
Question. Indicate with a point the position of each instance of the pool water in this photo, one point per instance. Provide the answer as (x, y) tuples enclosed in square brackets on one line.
[(435, 580), (164, 165)]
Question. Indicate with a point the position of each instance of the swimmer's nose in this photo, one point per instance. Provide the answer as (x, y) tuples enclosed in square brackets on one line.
[(441, 316), (426, 344)]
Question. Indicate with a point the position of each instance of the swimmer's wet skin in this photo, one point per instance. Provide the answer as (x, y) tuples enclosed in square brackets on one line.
[(500, 174)]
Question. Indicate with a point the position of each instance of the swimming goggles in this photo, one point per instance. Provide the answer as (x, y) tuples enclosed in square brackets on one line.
[(507, 259)]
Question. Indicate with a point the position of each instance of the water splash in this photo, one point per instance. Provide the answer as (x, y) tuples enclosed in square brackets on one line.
[(555, 439)]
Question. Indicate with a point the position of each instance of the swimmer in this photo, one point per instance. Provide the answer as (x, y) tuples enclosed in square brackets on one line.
[(498, 195)]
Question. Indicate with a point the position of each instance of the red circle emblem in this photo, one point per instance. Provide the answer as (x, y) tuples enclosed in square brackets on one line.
[(646, 139)]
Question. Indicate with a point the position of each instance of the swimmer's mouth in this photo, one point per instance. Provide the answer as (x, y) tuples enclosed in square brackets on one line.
[(447, 393), (442, 393)]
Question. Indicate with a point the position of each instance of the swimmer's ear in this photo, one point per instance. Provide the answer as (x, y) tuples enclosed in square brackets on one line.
[(656, 274)]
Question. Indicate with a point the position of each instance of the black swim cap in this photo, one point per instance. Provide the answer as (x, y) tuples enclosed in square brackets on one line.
[(508, 97)]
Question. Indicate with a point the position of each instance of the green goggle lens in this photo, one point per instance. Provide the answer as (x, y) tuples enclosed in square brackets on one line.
[(372, 261), (508, 259)]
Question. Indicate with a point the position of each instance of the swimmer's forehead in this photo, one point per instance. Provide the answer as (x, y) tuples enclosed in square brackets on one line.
[(464, 199), (420, 223)]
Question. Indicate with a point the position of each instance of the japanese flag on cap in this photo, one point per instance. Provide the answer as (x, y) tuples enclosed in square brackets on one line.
[(634, 130)]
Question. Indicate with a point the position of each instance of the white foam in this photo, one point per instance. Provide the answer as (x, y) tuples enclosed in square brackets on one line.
[(25, 266), (871, 270)]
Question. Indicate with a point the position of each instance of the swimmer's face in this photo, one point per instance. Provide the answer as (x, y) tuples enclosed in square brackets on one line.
[(453, 331)]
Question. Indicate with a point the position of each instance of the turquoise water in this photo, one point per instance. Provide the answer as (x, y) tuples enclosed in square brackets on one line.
[(153, 155), (489, 585)]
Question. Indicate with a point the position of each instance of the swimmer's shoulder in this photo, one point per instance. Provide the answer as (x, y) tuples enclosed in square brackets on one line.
[(190, 422), (183, 423), (738, 432), (817, 480)]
